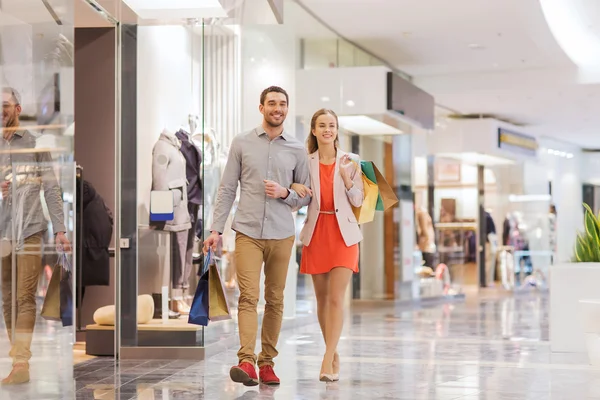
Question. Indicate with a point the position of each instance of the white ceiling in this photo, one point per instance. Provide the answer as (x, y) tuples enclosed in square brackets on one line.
[(474, 56)]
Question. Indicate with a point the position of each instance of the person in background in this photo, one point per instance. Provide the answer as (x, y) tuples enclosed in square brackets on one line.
[(22, 225), (265, 161), (331, 233)]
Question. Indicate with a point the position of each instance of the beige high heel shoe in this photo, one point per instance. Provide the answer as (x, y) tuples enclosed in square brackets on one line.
[(328, 378), (336, 367)]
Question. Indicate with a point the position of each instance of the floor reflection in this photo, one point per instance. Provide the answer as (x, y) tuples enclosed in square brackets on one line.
[(490, 347)]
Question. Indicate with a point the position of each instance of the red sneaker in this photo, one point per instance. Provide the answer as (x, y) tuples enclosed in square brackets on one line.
[(267, 376), (244, 373)]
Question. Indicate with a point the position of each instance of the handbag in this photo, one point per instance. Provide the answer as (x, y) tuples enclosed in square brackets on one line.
[(199, 310)]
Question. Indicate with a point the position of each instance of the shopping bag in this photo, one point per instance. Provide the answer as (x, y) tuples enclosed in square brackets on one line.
[(66, 291), (387, 198), (58, 303), (200, 304), (366, 212), (218, 309), (51, 307)]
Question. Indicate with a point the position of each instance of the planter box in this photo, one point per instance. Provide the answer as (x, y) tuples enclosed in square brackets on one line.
[(570, 283)]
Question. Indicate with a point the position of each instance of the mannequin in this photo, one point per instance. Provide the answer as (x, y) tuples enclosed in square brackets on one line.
[(193, 160), (169, 174), (425, 236)]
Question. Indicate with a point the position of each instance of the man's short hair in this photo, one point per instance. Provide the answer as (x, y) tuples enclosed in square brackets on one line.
[(273, 89), (13, 93)]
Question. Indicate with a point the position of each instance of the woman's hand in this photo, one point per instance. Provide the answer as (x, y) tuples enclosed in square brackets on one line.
[(347, 169), (301, 190)]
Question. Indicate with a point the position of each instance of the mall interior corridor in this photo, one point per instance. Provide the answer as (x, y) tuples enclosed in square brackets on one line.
[(488, 347)]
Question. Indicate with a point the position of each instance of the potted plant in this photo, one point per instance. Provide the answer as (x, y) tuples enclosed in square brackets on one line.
[(575, 294)]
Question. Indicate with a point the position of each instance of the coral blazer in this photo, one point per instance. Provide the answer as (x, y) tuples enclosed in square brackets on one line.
[(343, 200)]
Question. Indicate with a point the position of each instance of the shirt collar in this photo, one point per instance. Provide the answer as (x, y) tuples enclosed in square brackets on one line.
[(261, 131)]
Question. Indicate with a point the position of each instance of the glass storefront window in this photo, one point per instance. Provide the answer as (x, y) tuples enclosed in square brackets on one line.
[(520, 228), (38, 192)]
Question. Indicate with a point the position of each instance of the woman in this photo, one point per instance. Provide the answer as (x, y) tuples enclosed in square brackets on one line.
[(331, 232)]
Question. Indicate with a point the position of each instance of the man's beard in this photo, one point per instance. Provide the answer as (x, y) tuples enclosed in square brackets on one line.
[(274, 124)]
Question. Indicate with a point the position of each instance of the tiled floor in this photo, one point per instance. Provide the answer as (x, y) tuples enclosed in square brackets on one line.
[(495, 348)]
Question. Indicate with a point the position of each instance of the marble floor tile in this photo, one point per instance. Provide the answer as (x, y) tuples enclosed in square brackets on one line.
[(492, 348)]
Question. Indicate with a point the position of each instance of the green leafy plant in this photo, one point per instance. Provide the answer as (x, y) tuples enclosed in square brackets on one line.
[(587, 248)]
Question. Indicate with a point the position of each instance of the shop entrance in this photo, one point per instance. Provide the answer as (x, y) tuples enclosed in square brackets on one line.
[(96, 107)]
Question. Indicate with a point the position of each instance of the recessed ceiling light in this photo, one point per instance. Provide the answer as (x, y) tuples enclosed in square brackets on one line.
[(350, 103), (325, 99), (476, 46)]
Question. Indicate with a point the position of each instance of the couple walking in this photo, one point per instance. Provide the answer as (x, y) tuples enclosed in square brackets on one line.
[(276, 176)]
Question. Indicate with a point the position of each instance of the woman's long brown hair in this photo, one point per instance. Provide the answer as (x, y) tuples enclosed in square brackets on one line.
[(311, 142)]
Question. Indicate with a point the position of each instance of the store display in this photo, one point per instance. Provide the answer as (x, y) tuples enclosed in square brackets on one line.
[(169, 173), (157, 299), (193, 160), (105, 316), (514, 236)]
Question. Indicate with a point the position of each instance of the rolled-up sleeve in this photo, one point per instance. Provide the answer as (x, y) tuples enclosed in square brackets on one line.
[(52, 193), (302, 176), (228, 188)]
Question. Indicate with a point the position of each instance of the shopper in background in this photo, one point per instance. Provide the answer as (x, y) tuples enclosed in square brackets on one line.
[(331, 233), (265, 161), (22, 224)]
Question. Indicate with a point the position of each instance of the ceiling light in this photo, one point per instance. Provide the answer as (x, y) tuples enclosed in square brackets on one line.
[(513, 198), (562, 154), (325, 99), (363, 125), (350, 103), (177, 9), (570, 28)]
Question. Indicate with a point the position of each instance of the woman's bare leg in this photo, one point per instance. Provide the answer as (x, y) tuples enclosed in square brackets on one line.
[(321, 284), (339, 278)]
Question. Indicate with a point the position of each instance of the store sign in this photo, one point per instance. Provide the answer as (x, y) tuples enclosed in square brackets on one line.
[(517, 142)]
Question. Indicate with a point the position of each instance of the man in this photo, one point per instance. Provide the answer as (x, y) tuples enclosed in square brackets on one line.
[(22, 224), (265, 161)]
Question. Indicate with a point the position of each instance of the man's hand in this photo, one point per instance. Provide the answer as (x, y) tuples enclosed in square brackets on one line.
[(274, 190), (5, 189), (301, 190), (62, 243), (212, 241)]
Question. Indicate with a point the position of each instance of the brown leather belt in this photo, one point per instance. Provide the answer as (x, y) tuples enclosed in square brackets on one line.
[(327, 212)]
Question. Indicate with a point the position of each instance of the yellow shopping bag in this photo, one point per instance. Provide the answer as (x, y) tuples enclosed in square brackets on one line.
[(366, 212)]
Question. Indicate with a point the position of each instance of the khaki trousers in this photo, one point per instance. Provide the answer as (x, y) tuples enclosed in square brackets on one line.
[(250, 254), (28, 271)]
